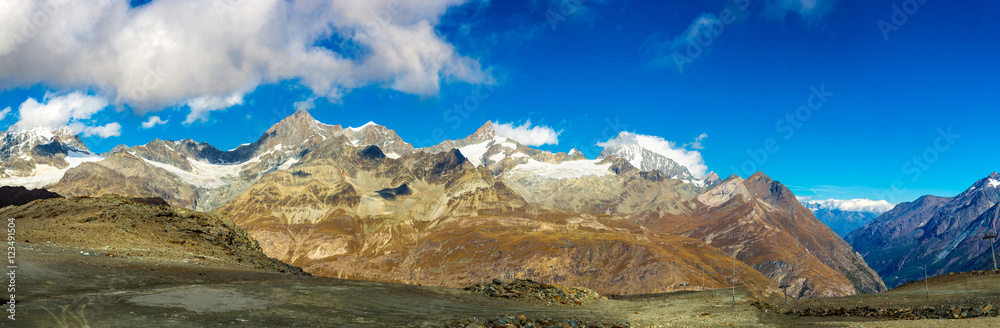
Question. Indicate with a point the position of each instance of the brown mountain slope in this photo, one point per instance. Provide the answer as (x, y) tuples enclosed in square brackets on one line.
[(352, 212), (118, 226), (759, 220)]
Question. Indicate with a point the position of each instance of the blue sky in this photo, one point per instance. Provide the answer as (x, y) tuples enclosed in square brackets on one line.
[(601, 67)]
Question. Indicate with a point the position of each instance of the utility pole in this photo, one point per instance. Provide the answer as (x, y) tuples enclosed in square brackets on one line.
[(702, 279), (989, 238), (784, 289), (927, 291), (734, 276)]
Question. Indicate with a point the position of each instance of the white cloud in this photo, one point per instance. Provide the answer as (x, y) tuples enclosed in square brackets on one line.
[(201, 106), (691, 159), (201, 53), (70, 110), (697, 142), (849, 205), (112, 129), (307, 104), (4, 112), (153, 121), (526, 134)]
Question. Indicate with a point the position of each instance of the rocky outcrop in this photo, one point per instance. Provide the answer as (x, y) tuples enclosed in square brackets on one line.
[(16, 196)]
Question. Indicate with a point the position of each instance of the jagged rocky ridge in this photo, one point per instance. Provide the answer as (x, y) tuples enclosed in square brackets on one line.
[(361, 203)]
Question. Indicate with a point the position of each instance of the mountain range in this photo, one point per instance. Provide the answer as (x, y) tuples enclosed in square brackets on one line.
[(941, 234), (362, 203), (845, 216)]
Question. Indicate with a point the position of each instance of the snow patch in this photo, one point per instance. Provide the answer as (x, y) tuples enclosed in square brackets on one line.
[(362, 127), (564, 170), (288, 164), (45, 175), (237, 147), (994, 183), (392, 155), (496, 158), (474, 153)]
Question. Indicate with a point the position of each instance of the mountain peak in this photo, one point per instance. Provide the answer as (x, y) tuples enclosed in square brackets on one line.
[(302, 115), (485, 132)]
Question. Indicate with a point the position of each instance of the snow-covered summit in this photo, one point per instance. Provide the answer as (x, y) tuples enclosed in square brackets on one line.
[(357, 129)]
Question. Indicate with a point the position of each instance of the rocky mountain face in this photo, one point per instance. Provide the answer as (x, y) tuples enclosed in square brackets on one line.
[(38, 157), (17, 196), (362, 203), (611, 186), (199, 176), (760, 221), (944, 234), (629, 148), (437, 218)]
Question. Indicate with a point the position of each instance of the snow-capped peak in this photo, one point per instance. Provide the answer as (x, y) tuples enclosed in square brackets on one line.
[(656, 153), (573, 151), (849, 205), (362, 127)]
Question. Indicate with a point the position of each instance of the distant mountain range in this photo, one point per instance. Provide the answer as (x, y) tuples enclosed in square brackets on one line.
[(845, 216), (943, 234), (363, 203)]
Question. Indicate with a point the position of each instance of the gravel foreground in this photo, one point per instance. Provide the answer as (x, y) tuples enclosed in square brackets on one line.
[(65, 288)]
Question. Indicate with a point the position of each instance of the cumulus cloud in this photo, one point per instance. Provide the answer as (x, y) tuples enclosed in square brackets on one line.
[(153, 121), (148, 58), (72, 110), (691, 159), (201, 106), (112, 129), (849, 205), (526, 134), (4, 112)]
